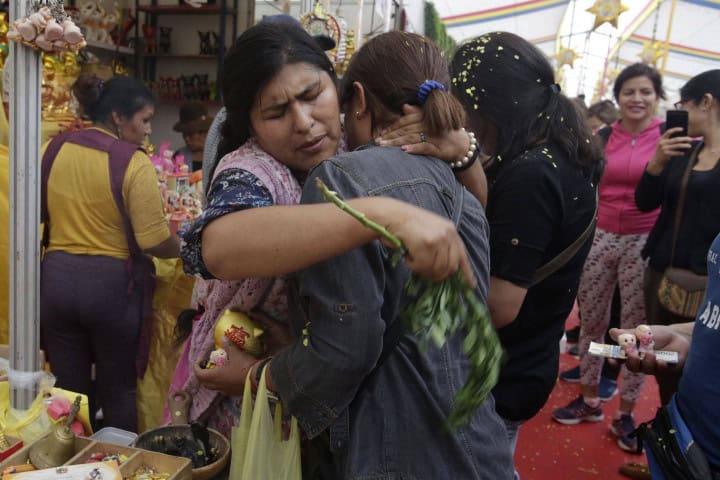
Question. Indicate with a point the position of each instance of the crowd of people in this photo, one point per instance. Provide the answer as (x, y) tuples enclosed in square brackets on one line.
[(481, 165)]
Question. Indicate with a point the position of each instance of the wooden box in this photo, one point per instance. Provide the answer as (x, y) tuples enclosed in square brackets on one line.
[(179, 468)]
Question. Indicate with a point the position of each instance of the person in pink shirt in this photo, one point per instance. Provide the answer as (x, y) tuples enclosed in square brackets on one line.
[(615, 256)]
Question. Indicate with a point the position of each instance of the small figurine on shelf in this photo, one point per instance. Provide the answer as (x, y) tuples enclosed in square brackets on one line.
[(164, 44), (214, 42), (121, 33), (205, 43), (204, 87), (645, 341), (628, 342), (150, 36), (188, 91)]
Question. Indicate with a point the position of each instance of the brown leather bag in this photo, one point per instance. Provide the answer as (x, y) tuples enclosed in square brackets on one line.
[(682, 291)]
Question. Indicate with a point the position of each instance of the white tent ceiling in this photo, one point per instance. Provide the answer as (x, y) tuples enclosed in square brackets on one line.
[(551, 24)]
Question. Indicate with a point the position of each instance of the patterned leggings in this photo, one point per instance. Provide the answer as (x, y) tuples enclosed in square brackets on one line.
[(613, 260)]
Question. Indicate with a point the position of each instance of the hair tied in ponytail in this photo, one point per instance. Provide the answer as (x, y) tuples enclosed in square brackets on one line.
[(425, 89)]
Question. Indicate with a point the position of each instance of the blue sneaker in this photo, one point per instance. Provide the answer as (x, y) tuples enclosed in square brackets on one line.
[(622, 428), (607, 389), (578, 411)]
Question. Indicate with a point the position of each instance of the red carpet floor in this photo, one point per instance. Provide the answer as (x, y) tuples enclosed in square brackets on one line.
[(548, 450)]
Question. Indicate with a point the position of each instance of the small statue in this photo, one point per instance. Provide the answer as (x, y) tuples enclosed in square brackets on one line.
[(214, 43), (204, 87), (165, 40), (205, 43), (645, 341), (188, 87), (150, 35), (217, 358), (628, 342)]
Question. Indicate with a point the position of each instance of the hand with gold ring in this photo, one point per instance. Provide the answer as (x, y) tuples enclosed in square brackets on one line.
[(449, 147)]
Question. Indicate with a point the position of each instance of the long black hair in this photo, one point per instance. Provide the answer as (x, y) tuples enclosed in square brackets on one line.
[(252, 62), (699, 85), (503, 79), (99, 98)]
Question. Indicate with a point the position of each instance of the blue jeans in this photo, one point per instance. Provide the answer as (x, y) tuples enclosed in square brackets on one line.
[(513, 428)]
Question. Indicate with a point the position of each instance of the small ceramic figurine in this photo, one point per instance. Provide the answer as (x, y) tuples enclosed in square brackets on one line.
[(627, 341), (218, 357), (645, 341)]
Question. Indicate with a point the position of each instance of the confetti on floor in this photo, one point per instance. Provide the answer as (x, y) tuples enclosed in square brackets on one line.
[(548, 450)]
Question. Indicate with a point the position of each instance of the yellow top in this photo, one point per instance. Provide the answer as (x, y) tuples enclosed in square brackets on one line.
[(84, 219)]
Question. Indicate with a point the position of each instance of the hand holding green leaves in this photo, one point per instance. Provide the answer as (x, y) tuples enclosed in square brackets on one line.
[(436, 313)]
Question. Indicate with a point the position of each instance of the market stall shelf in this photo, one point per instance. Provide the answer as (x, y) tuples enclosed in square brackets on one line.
[(156, 36)]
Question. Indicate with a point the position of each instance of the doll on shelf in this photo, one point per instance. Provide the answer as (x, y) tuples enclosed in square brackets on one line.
[(150, 36)]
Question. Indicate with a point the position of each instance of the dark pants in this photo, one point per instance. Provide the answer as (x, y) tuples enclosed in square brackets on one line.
[(87, 316), (658, 315)]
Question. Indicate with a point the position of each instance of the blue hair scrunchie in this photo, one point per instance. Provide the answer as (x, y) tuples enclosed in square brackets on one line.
[(425, 89)]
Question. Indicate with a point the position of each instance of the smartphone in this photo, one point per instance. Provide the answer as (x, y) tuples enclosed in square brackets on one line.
[(677, 118)]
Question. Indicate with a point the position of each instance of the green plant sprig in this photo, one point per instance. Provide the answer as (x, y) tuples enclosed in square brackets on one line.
[(436, 313)]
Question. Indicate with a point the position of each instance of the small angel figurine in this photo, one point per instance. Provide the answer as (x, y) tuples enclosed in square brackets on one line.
[(218, 357), (628, 342), (645, 340)]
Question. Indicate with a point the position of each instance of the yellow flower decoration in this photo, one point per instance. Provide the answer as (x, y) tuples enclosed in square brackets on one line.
[(607, 11)]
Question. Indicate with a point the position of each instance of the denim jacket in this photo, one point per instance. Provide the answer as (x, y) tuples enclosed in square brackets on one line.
[(384, 421)]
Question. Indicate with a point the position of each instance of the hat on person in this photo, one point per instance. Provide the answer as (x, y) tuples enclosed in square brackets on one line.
[(325, 42), (193, 118)]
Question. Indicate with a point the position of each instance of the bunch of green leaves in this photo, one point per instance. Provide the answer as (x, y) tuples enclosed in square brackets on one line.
[(438, 311)]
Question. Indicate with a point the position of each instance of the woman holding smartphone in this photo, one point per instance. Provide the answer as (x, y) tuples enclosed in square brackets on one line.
[(615, 256), (677, 157)]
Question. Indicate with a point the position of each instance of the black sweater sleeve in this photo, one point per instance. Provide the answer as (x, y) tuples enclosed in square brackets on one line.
[(649, 191)]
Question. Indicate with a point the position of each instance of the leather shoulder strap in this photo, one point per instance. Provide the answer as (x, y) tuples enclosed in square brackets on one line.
[(681, 198), (566, 255), (48, 160), (120, 155)]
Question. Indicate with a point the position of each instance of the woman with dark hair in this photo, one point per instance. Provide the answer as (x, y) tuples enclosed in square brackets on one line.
[(615, 257), (601, 114), (283, 119), (102, 212), (691, 167), (374, 403), (543, 177)]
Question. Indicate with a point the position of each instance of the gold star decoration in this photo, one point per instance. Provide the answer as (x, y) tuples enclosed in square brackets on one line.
[(651, 52), (566, 56), (607, 11)]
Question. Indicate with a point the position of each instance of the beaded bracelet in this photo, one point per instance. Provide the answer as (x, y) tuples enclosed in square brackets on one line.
[(470, 157)]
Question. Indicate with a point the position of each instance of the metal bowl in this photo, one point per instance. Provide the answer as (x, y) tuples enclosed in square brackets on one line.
[(217, 440)]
